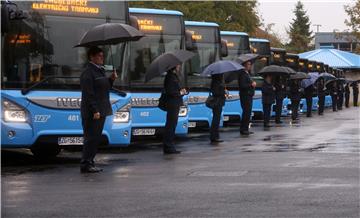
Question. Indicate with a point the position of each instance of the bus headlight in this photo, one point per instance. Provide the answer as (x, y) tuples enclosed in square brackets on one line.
[(13, 112), (123, 114), (183, 111)]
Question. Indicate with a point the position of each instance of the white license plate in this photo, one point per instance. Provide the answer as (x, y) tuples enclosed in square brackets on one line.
[(226, 118), (70, 141), (143, 132), (192, 124)]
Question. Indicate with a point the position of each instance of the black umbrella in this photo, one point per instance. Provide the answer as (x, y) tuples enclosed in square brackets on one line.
[(299, 76), (290, 70), (109, 34), (246, 57), (275, 71), (165, 62)]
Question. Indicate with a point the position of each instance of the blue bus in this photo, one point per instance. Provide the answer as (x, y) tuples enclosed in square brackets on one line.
[(164, 32), (40, 91), (237, 43), (278, 57), (262, 48), (208, 49)]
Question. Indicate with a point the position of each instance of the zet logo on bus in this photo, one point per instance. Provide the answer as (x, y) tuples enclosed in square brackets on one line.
[(74, 6), (148, 24)]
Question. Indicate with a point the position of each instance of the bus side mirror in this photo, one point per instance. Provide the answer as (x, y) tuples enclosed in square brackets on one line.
[(134, 22), (189, 42), (224, 49)]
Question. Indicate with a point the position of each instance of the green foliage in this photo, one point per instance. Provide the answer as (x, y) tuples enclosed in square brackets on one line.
[(299, 31), (353, 22), (230, 15)]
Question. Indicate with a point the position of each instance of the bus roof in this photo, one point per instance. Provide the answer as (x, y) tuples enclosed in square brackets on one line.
[(197, 23), (258, 40), (155, 11), (233, 33)]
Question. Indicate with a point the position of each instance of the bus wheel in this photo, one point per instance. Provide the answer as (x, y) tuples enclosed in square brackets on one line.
[(45, 152)]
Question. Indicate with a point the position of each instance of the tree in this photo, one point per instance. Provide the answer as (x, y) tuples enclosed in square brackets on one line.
[(299, 31), (230, 15), (353, 22)]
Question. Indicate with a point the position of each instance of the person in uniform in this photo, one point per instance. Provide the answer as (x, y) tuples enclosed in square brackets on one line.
[(333, 93), (174, 100), (347, 94), (268, 98), (217, 89), (355, 87), (308, 92), (295, 97), (321, 95), (95, 106), (280, 92), (340, 96), (246, 92)]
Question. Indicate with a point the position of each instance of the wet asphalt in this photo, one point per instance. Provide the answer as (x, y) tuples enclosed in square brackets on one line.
[(309, 169)]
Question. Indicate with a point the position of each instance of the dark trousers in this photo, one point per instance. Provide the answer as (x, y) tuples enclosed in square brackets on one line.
[(321, 104), (278, 109), (294, 108), (340, 101), (334, 102), (347, 99), (214, 128), (267, 113), (92, 139), (172, 116), (355, 99), (246, 105), (308, 105)]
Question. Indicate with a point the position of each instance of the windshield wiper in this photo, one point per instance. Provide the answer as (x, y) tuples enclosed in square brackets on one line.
[(24, 91)]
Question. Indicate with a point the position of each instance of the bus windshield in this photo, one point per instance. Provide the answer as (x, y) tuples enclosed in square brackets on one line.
[(237, 45), (207, 51), (42, 45), (263, 50), (163, 33), (278, 57)]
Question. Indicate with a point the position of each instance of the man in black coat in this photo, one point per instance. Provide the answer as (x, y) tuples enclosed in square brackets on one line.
[(340, 100), (321, 95), (174, 100), (268, 98), (308, 92), (347, 94), (95, 106), (355, 87), (246, 92), (280, 92), (333, 93), (295, 96), (217, 89)]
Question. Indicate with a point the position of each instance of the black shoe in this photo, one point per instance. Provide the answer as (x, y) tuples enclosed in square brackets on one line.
[(216, 140), (171, 151), (309, 115), (267, 126), (278, 122), (90, 169), (320, 114), (246, 133)]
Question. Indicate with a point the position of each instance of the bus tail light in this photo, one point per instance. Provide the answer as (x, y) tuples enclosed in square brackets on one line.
[(123, 114), (13, 112)]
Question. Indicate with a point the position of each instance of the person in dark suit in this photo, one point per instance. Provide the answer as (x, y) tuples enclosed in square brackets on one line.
[(355, 87), (321, 94), (308, 92), (174, 100), (333, 93), (246, 92), (95, 106), (280, 92), (295, 96), (340, 100), (347, 94), (268, 98), (217, 89)]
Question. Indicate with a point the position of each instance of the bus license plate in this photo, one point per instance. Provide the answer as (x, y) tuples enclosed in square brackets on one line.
[(144, 132), (70, 141), (226, 118), (192, 124)]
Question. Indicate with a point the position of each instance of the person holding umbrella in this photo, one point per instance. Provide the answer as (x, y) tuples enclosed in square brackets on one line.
[(280, 92), (333, 93), (340, 100), (347, 94), (95, 86), (355, 87), (268, 98), (295, 96), (218, 94), (170, 62), (321, 95), (308, 93)]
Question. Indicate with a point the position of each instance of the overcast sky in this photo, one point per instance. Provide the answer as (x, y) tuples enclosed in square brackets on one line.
[(328, 13)]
